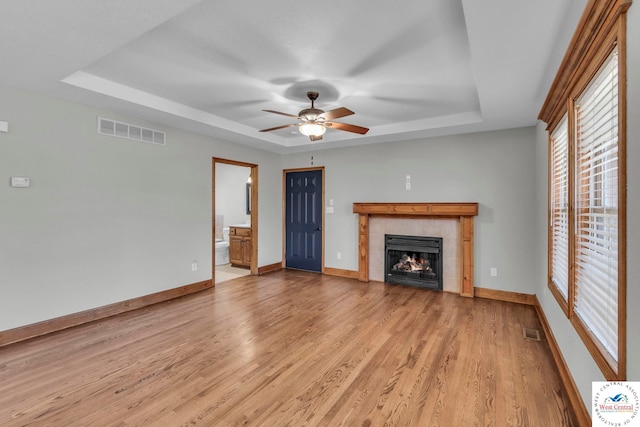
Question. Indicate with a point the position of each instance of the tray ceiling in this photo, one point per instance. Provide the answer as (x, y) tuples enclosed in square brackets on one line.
[(411, 69)]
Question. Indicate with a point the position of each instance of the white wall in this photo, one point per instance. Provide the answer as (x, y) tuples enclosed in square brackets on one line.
[(231, 185), (583, 368), (107, 219), (495, 169)]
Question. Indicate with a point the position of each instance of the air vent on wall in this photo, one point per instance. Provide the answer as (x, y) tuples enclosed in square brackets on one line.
[(127, 131)]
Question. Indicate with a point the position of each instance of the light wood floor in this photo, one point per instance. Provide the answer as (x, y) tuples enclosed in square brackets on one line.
[(291, 349)]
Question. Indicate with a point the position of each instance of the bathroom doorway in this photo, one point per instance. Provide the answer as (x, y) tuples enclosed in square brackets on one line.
[(234, 219)]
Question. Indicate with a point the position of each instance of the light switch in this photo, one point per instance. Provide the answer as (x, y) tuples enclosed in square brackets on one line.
[(4, 126)]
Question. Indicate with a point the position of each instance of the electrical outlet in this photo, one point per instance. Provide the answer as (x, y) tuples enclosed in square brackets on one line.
[(339, 255), (194, 266), (494, 272)]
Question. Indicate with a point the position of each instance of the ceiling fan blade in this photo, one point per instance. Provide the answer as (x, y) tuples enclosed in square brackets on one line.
[(315, 138), (279, 127), (336, 113), (282, 114), (347, 127)]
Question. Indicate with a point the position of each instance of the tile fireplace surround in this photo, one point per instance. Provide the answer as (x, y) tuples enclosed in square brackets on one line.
[(463, 213)]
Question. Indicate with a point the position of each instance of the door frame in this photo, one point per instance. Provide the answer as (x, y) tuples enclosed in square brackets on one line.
[(254, 213), (284, 213)]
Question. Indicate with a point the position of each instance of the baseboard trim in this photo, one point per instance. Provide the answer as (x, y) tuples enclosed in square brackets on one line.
[(33, 330), (270, 268), (575, 400), (349, 274), (507, 296)]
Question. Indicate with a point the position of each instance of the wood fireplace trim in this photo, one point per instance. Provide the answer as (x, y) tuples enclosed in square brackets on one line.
[(463, 211)]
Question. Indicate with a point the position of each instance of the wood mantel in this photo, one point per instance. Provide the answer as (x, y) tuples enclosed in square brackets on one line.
[(464, 211)]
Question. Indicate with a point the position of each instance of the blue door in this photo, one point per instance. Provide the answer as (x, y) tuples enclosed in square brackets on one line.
[(303, 224)]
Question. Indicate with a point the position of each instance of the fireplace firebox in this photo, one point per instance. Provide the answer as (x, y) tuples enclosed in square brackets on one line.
[(413, 261)]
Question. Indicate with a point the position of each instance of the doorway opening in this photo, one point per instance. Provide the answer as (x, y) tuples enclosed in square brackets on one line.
[(234, 219)]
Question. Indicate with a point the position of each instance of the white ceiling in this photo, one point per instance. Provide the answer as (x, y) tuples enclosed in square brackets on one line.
[(408, 69)]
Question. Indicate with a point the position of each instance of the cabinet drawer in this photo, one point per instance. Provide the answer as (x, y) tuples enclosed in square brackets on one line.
[(240, 231)]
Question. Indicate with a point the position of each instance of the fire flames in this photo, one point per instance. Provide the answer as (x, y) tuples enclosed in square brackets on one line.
[(411, 263)]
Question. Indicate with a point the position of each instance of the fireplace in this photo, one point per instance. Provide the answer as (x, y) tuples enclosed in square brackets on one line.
[(463, 212), (414, 261)]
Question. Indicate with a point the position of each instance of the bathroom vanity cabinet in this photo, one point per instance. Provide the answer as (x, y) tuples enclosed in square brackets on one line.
[(240, 246)]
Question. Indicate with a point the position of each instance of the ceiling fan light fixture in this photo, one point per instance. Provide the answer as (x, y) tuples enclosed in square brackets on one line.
[(312, 129), (313, 122)]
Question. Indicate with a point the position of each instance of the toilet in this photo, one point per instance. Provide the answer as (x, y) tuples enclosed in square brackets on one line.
[(222, 248)]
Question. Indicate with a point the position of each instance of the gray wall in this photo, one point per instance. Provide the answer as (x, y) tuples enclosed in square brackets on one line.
[(495, 169), (582, 366), (107, 219), (633, 193)]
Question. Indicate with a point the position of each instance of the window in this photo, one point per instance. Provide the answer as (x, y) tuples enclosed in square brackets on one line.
[(596, 209), (559, 213), (586, 110)]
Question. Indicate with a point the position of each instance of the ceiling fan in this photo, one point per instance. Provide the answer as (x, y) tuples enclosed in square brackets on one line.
[(314, 122)]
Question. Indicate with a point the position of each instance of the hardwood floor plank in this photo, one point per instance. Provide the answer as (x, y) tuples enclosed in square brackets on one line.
[(291, 348)]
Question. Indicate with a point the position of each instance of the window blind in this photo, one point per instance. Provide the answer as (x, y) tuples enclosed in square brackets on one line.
[(596, 201), (559, 206)]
